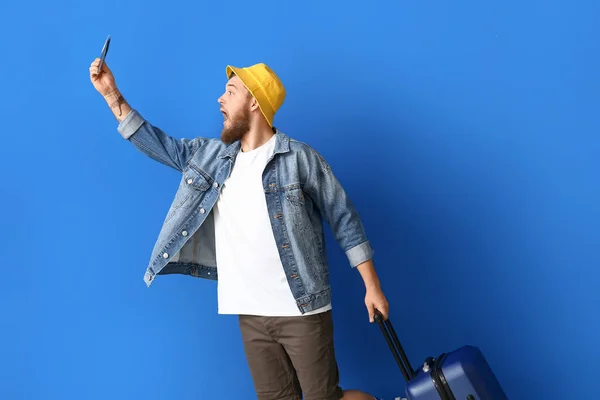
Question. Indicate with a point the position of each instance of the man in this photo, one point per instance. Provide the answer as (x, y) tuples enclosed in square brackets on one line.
[(252, 203)]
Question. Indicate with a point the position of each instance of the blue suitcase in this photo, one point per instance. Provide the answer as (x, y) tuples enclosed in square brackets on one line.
[(462, 374)]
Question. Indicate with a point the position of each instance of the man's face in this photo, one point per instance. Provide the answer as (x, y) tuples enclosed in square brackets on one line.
[(235, 106)]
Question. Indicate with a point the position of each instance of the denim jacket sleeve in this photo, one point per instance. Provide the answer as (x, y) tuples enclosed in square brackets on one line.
[(337, 210), (156, 144)]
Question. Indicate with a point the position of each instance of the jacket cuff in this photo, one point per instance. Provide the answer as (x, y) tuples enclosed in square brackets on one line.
[(359, 254), (130, 124)]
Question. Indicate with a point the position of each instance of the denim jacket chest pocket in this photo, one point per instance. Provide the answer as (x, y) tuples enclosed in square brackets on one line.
[(294, 194), (297, 207), (195, 179), (193, 186)]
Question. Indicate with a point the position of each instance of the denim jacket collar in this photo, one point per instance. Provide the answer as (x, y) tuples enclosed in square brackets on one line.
[(282, 145)]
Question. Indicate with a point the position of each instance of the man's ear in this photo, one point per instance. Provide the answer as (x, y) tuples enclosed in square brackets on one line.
[(253, 103)]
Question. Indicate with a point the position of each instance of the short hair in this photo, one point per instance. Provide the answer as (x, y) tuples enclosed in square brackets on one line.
[(231, 75)]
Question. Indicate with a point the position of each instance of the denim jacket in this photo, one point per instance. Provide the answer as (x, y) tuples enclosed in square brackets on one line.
[(300, 190)]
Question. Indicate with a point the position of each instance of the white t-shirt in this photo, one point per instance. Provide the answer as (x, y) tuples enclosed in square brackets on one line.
[(251, 276)]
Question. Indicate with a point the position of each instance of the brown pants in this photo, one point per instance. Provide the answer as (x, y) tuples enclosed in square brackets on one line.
[(291, 357)]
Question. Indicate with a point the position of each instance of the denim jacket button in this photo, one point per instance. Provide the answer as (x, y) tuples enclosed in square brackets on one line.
[(189, 181), (202, 211), (184, 233), (165, 255), (216, 185)]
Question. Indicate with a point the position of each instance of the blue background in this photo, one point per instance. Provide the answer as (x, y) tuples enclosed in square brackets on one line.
[(466, 133)]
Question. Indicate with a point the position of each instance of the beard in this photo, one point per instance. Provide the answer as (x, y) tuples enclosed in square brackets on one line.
[(239, 125)]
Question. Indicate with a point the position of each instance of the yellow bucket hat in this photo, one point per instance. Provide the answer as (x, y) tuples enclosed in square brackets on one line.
[(264, 85)]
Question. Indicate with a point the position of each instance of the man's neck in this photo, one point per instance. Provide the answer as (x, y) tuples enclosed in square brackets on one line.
[(256, 137)]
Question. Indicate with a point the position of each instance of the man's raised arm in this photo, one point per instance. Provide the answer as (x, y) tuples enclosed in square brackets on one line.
[(148, 139)]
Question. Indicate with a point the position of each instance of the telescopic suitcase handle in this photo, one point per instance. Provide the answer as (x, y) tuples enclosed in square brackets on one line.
[(397, 351)]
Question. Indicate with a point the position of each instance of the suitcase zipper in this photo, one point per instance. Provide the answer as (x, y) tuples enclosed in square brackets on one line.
[(439, 380)]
